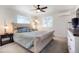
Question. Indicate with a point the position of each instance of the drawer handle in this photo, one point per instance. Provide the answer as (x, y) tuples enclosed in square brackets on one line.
[(71, 39), (69, 48)]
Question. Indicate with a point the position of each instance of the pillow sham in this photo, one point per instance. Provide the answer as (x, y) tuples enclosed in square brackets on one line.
[(23, 29)]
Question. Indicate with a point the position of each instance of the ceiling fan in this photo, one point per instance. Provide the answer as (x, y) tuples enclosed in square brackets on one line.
[(39, 8)]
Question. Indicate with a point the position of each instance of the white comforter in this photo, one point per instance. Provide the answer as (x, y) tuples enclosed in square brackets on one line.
[(26, 38)]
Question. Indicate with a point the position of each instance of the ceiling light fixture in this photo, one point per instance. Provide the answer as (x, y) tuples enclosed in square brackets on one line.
[(37, 11)]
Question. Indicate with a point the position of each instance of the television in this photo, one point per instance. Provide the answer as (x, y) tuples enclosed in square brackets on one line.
[(75, 22)]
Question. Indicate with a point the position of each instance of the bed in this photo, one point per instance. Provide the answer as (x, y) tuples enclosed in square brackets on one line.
[(34, 41)]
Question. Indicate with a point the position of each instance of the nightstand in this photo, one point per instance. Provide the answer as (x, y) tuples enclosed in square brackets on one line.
[(4, 36)]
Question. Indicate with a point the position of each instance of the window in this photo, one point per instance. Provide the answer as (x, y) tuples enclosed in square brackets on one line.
[(22, 19), (48, 21)]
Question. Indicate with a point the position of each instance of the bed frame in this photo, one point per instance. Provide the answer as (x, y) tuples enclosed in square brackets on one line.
[(39, 43)]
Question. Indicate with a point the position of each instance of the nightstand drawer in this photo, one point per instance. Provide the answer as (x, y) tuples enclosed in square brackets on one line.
[(4, 36)]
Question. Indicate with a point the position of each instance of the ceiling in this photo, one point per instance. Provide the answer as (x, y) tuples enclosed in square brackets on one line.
[(52, 9)]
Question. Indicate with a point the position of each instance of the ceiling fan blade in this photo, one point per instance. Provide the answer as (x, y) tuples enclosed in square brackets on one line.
[(33, 9), (42, 10), (44, 7), (35, 6)]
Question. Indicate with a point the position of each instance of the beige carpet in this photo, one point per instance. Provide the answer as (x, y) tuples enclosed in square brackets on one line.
[(58, 45)]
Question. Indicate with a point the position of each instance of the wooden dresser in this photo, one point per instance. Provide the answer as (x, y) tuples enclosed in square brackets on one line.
[(4, 36)]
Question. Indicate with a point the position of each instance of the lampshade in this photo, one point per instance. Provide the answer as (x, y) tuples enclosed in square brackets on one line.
[(5, 27)]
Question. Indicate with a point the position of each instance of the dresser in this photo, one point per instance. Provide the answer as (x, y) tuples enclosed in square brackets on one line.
[(5, 36), (73, 42)]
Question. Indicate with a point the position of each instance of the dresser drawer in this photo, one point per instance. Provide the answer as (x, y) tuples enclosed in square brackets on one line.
[(71, 48), (71, 43), (71, 39)]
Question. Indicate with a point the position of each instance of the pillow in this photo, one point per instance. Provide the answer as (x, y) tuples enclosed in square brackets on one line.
[(23, 29)]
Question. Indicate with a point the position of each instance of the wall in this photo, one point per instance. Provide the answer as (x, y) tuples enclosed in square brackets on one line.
[(60, 20), (7, 15), (61, 23)]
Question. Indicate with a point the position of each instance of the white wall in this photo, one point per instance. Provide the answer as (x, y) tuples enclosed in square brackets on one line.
[(7, 15), (61, 23), (60, 20)]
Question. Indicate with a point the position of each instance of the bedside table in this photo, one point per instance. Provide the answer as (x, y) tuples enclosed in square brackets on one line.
[(7, 35)]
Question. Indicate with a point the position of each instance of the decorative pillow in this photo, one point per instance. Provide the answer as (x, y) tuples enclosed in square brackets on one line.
[(23, 29)]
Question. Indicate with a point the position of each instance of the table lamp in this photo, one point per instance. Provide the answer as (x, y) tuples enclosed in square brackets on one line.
[(5, 29)]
